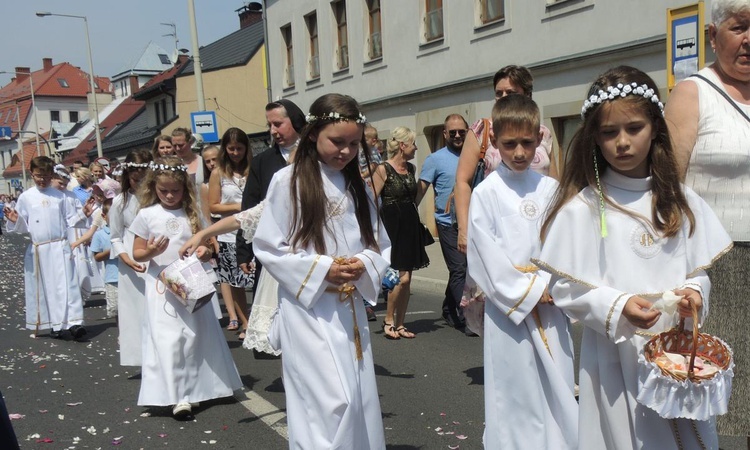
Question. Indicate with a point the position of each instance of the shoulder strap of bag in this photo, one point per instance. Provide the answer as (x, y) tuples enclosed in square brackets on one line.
[(485, 138), (723, 94)]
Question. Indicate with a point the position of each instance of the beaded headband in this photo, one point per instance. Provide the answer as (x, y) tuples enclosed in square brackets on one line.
[(132, 165), (620, 91), (153, 166), (334, 116), (61, 171)]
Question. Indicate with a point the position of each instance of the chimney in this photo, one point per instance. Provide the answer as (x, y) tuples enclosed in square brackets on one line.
[(22, 74), (133, 84), (47, 63), (249, 14)]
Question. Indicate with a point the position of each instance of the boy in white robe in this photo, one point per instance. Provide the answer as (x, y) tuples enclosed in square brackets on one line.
[(53, 299), (528, 352)]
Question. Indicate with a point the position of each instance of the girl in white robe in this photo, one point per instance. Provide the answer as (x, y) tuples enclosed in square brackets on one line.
[(53, 299), (529, 397), (131, 284), (185, 356), (321, 238), (621, 231)]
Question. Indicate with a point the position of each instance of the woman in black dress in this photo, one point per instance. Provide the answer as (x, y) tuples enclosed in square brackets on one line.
[(395, 183)]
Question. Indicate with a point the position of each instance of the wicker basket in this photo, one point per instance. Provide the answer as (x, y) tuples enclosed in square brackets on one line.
[(686, 395)]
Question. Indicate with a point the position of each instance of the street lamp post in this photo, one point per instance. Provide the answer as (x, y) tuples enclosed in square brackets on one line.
[(33, 107), (91, 76)]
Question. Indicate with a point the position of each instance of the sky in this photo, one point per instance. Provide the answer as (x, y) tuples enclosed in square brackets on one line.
[(119, 31)]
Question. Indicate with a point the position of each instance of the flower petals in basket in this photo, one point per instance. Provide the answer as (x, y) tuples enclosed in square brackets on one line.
[(190, 280), (685, 374)]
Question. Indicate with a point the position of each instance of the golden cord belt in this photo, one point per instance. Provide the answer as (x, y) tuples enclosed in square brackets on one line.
[(535, 312)]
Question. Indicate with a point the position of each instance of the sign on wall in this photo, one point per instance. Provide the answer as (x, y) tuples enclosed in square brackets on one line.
[(686, 53)]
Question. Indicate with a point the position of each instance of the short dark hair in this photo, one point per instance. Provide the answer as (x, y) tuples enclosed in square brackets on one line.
[(43, 163), (518, 75), (514, 112)]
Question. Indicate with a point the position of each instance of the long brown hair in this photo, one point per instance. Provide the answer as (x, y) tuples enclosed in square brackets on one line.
[(224, 162), (309, 220), (669, 206), (170, 167), (135, 157)]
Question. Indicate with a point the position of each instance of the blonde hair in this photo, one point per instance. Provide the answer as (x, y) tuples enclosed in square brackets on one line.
[(147, 190), (83, 172), (399, 135)]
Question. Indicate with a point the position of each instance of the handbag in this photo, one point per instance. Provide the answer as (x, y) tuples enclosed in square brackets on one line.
[(190, 280), (450, 205), (427, 238)]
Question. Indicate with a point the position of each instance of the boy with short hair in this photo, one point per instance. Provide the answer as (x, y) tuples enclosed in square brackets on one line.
[(528, 352), (53, 299), (100, 246)]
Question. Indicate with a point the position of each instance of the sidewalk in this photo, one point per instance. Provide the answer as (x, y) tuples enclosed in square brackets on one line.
[(433, 278)]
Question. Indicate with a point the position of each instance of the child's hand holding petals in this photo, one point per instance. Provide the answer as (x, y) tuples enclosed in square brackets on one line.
[(639, 313)]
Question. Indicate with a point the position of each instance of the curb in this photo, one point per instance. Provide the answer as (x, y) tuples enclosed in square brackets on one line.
[(428, 285)]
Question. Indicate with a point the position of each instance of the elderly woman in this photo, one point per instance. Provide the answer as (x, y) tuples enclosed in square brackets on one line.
[(711, 135), (395, 183)]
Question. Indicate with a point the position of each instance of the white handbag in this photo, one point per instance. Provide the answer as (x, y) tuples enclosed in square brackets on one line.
[(190, 280)]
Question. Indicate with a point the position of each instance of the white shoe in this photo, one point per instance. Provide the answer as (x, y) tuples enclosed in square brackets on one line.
[(181, 410)]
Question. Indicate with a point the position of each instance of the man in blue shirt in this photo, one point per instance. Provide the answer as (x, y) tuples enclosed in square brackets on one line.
[(439, 170)]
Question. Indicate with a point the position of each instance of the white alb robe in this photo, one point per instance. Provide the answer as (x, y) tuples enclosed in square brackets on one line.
[(53, 299), (593, 278), (185, 355), (332, 398), (528, 385), (131, 285)]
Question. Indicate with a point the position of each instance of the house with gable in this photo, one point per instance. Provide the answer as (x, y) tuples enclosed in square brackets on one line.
[(61, 95)]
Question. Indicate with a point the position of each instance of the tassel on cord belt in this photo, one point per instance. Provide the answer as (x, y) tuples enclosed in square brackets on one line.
[(346, 292), (531, 268)]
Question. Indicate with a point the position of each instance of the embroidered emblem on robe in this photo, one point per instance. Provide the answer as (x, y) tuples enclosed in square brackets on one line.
[(529, 209), (643, 243)]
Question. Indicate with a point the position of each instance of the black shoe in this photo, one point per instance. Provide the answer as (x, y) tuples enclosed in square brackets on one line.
[(371, 317), (449, 320), (55, 334), (77, 331)]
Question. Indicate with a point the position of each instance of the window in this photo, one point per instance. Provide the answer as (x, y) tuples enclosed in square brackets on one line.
[(157, 113), (433, 20), (375, 41), (63, 82), (73, 116), (342, 51), (491, 11), (54, 116), (164, 112), (164, 59), (286, 34), (312, 29)]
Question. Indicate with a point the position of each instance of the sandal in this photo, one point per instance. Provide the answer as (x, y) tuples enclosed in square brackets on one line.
[(242, 336), (404, 333), (388, 329), (233, 325)]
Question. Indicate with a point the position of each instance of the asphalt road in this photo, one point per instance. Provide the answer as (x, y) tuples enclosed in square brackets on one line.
[(66, 394)]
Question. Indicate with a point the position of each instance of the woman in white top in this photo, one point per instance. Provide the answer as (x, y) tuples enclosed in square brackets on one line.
[(225, 189), (711, 134)]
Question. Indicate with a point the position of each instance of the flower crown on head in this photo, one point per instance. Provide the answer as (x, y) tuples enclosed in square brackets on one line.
[(61, 171), (619, 91), (132, 165), (153, 166), (336, 117)]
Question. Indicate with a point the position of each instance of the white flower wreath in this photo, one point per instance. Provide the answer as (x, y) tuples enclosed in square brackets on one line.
[(153, 166), (336, 117), (621, 91)]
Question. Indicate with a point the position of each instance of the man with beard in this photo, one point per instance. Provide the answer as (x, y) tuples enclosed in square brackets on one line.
[(439, 170)]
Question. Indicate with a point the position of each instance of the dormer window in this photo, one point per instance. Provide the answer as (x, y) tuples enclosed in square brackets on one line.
[(63, 82), (164, 59)]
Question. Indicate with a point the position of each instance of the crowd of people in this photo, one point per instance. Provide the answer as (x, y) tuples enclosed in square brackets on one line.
[(644, 206)]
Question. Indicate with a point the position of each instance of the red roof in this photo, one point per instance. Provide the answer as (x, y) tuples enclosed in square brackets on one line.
[(128, 109), (48, 82), (29, 152)]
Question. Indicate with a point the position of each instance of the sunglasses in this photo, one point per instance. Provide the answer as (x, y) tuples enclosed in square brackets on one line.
[(454, 133)]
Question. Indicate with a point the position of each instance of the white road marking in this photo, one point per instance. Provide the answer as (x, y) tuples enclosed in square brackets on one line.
[(264, 410)]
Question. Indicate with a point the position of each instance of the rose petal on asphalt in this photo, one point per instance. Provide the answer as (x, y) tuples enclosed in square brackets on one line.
[(456, 423), (16, 416), (117, 440), (44, 441), (453, 447), (438, 429), (162, 435), (74, 404), (61, 416), (462, 437)]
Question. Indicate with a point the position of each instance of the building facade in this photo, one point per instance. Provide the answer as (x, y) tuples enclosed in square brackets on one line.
[(413, 63)]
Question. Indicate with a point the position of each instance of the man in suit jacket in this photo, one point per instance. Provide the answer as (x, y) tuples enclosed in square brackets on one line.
[(285, 122)]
